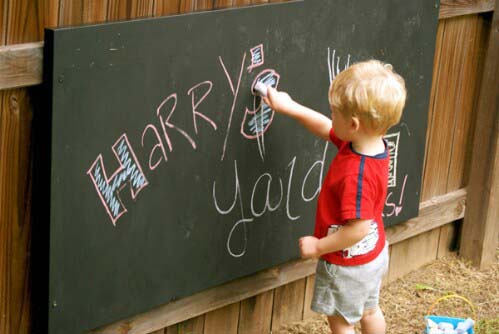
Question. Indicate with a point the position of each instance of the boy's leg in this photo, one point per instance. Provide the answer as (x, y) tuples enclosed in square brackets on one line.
[(339, 325), (373, 321)]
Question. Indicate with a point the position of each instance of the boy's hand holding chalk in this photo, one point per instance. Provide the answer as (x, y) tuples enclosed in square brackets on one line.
[(281, 102), (261, 89)]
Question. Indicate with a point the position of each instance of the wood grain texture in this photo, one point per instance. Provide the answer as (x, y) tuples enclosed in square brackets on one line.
[(3, 21), (70, 12), (191, 326), (447, 104), (451, 8), (15, 213), (428, 172), (21, 65), (129, 9), (241, 3), (472, 46), (479, 237), (288, 304), (166, 7), (50, 14), (224, 320), (22, 22), (413, 253), (222, 3), (255, 316), (187, 6), (94, 11), (434, 213), (309, 293)]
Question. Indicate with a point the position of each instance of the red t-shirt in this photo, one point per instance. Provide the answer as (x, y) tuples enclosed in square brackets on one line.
[(355, 188)]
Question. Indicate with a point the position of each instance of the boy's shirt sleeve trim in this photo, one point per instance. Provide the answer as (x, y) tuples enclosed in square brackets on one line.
[(358, 203), (357, 196)]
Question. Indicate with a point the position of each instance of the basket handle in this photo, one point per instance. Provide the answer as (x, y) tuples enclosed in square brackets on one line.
[(432, 306)]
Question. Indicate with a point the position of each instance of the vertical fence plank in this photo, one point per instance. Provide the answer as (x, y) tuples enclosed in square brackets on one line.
[(116, 10), (256, 314), (472, 46), (439, 146), (480, 227), (166, 7), (191, 326), (94, 11), (70, 12), (413, 253), (21, 22), (240, 3), (428, 172), (465, 97), (224, 320), (141, 8), (288, 304), (129, 9), (222, 3), (3, 21), (187, 6), (50, 14), (309, 293)]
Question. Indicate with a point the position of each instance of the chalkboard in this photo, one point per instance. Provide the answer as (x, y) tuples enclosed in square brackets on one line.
[(168, 177)]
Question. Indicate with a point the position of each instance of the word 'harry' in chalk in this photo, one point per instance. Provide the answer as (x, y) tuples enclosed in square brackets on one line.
[(261, 89)]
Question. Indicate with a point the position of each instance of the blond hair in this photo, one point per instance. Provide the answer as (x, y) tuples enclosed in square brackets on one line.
[(371, 91)]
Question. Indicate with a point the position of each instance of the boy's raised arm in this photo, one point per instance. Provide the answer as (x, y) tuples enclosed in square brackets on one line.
[(313, 121)]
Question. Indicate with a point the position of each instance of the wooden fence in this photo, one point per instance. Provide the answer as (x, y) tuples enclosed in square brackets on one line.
[(462, 128)]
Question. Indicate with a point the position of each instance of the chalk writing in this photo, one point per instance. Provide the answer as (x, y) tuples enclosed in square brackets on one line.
[(258, 207), (109, 188), (257, 121), (196, 103), (395, 208), (333, 63), (235, 92), (257, 57), (393, 147)]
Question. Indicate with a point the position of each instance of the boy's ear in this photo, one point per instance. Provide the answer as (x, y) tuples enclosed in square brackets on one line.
[(354, 123)]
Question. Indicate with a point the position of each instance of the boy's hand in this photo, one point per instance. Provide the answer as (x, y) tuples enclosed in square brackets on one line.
[(279, 101), (308, 247)]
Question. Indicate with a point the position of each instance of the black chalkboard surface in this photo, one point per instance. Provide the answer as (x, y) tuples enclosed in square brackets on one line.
[(167, 176)]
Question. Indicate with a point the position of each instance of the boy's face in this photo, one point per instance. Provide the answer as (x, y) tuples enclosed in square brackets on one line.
[(341, 125)]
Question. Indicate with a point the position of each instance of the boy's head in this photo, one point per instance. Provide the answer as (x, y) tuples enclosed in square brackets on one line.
[(370, 91)]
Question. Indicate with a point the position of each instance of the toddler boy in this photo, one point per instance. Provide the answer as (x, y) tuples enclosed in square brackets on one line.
[(349, 238)]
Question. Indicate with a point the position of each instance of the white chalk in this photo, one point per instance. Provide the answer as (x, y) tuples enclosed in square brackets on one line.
[(445, 325), (261, 89), (431, 323), (463, 326)]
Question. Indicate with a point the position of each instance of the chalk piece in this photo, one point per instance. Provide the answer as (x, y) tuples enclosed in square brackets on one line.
[(261, 89), (445, 325)]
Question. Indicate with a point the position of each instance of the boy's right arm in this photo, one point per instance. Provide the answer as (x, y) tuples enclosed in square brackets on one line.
[(313, 121)]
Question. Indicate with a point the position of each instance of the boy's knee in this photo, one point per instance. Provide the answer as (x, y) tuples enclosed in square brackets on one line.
[(373, 312)]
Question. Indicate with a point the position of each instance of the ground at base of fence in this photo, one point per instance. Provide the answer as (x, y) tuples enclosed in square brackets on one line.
[(406, 300)]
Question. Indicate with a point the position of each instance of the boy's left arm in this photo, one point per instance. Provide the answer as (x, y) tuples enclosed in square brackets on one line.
[(348, 235)]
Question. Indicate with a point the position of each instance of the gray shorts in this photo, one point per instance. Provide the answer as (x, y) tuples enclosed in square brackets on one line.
[(348, 290)]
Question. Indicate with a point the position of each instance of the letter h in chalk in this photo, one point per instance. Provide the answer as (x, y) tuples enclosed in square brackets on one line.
[(129, 172)]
